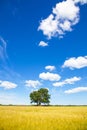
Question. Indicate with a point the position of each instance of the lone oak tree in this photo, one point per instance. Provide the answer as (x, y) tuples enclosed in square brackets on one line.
[(40, 96)]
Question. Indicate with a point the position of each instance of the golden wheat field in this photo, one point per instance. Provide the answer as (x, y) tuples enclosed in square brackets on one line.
[(43, 118)]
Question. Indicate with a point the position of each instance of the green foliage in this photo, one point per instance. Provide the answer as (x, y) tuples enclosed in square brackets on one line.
[(40, 96)]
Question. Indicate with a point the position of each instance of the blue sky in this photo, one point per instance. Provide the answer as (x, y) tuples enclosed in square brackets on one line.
[(43, 44)]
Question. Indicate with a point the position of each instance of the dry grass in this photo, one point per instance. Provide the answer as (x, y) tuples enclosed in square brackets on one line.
[(43, 118)]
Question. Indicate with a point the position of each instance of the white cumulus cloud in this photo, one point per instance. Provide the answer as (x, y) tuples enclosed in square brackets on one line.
[(76, 90), (48, 26), (49, 76), (32, 83), (77, 63), (50, 67), (67, 81), (80, 1), (62, 19), (43, 44), (7, 84)]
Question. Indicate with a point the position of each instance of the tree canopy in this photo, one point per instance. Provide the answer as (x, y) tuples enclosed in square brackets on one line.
[(40, 96)]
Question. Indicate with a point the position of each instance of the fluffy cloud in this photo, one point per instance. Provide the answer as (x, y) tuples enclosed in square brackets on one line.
[(77, 63), (63, 17), (49, 76), (32, 83), (67, 81), (76, 90), (48, 26), (43, 44), (80, 1), (50, 68), (7, 84)]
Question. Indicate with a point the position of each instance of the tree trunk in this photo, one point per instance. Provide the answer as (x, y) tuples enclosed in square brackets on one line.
[(38, 103)]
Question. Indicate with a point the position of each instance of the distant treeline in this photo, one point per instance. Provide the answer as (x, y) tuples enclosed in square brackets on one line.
[(42, 105)]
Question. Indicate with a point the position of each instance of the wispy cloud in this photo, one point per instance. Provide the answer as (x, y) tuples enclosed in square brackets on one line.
[(6, 71), (3, 52), (49, 76), (32, 83), (62, 19), (8, 97), (76, 63), (67, 81), (43, 44), (76, 90), (7, 84), (50, 67)]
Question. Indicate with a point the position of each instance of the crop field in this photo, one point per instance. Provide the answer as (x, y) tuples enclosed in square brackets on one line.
[(43, 118)]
